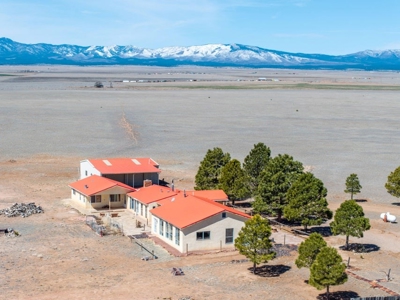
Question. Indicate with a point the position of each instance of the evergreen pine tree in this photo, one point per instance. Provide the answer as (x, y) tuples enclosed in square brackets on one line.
[(327, 269), (207, 177), (233, 181), (254, 163), (393, 183), (353, 185), (307, 202), (254, 241), (309, 249), (349, 220), (276, 179)]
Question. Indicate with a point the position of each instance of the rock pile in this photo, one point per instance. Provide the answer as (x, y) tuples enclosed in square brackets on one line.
[(21, 209)]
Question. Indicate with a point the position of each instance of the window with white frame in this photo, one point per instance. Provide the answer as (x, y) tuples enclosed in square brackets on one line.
[(177, 236), (228, 235), (155, 225), (162, 227), (203, 235), (168, 232)]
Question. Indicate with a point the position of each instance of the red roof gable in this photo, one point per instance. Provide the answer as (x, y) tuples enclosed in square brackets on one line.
[(125, 165), (184, 211), (153, 193), (95, 184)]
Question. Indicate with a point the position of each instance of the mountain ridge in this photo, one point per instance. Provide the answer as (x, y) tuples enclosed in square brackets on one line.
[(224, 55)]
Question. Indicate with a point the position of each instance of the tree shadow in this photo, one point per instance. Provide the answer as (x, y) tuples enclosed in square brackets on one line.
[(322, 230), (339, 295), (270, 271), (361, 200), (396, 203), (361, 248)]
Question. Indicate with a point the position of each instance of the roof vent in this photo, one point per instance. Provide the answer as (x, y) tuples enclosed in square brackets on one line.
[(106, 162), (173, 199), (86, 186), (136, 162), (184, 193)]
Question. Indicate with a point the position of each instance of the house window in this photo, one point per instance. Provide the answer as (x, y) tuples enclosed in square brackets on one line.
[(95, 199), (114, 198), (177, 236), (161, 227), (229, 235), (168, 233), (223, 215), (203, 235), (73, 192), (86, 173), (155, 225)]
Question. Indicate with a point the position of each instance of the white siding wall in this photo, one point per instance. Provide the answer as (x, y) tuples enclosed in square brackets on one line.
[(141, 209), (175, 241), (87, 169), (216, 225)]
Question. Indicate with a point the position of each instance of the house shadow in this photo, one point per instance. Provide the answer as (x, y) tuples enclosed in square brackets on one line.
[(396, 203), (322, 230), (270, 270), (339, 295), (162, 182), (360, 248)]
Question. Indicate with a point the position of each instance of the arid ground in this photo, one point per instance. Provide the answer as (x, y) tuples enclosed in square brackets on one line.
[(51, 117)]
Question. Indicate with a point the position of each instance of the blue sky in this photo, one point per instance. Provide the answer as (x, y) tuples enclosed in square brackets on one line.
[(308, 26)]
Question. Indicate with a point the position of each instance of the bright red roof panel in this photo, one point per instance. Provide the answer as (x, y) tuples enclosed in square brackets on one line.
[(125, 165), (153, 193), (95, 184), (184, 211)]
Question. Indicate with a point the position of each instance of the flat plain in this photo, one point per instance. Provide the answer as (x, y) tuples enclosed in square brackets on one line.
[(51, 117)]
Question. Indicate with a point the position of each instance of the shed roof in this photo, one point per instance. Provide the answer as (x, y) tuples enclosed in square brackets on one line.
[(125, 165), (95, 184)]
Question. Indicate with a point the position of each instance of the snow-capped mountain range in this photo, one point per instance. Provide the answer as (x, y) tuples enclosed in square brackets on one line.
[(234, 55)]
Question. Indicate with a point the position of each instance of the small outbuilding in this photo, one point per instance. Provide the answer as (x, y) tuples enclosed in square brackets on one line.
[(99, 192)]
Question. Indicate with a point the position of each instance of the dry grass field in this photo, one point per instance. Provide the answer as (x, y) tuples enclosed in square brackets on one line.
[(51, 117)]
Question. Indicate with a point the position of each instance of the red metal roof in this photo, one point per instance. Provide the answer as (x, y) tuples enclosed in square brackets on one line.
[(215, 195), (95, 184), (184, 211), (153, 193), (125, 165)]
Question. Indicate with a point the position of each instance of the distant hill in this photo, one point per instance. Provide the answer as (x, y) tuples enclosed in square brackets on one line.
[(222, 55)]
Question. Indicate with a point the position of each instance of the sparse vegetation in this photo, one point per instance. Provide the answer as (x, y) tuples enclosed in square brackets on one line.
[(98, 84)]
